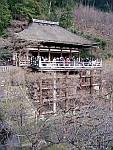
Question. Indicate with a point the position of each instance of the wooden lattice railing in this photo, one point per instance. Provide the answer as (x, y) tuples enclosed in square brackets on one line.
[(60, 64), (6, 68)]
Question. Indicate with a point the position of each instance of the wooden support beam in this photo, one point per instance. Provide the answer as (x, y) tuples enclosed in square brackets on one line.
[(92, 82), (49, 55), (79, 57), (27, 57), (41, 100), (66, 92), (61, 52), (54, 93), (100, 86), (38, 51), (70, 55), (80, 81)]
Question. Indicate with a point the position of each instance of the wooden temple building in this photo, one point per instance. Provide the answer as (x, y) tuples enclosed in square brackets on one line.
[(47, 48)]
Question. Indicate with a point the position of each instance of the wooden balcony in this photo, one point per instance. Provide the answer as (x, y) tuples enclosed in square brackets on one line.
[(64, 66)]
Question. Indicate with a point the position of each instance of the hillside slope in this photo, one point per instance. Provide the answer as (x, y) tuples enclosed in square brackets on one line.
[(95, 22)]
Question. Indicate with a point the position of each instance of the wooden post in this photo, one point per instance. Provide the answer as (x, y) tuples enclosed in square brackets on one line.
[(60, 88), (38, 51), (54, 93), (80, 75), (100, 86), (66, 92), (61, 52), (79, 56), (41, 101), (27, 58), (14, 59), (19, 56), (49, 55), (91, 81), (70, 56)]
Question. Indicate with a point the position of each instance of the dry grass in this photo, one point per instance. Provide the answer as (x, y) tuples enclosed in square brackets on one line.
[(95, 22)]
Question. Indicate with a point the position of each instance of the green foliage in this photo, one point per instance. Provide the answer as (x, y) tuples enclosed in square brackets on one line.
[(67, 15), (59, 10), (107, 54), (54, 10), (85, 53), (65, 8), (27, 8), (66, 19), (4, 15), (102, 44), (104, 5)]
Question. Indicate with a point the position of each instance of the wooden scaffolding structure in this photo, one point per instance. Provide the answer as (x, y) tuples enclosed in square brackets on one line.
[(57, 91)]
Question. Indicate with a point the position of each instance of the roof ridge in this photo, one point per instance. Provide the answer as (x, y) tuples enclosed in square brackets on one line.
[(45, 22)]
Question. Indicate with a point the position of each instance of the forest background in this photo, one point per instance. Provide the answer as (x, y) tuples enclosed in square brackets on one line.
[(54, 10)]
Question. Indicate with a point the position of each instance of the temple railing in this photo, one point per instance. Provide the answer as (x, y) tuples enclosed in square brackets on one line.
[(7, 68), (24, 63), (65, 65), (58, 65)]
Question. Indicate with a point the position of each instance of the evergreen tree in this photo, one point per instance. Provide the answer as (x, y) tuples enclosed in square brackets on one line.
[(104, 5), (67, 15), (4, 15), (27, 8)]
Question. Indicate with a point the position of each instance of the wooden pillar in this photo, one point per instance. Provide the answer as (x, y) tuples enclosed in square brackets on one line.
[(66, 92), (49, 55), (27, 57), (14, 59), (100, 86), (54, 93), (80, 82), (19, 58), (41, 101), (91, 81), (38, 51), (79, 57), (61, 52), (60, 88), (70, 55)]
